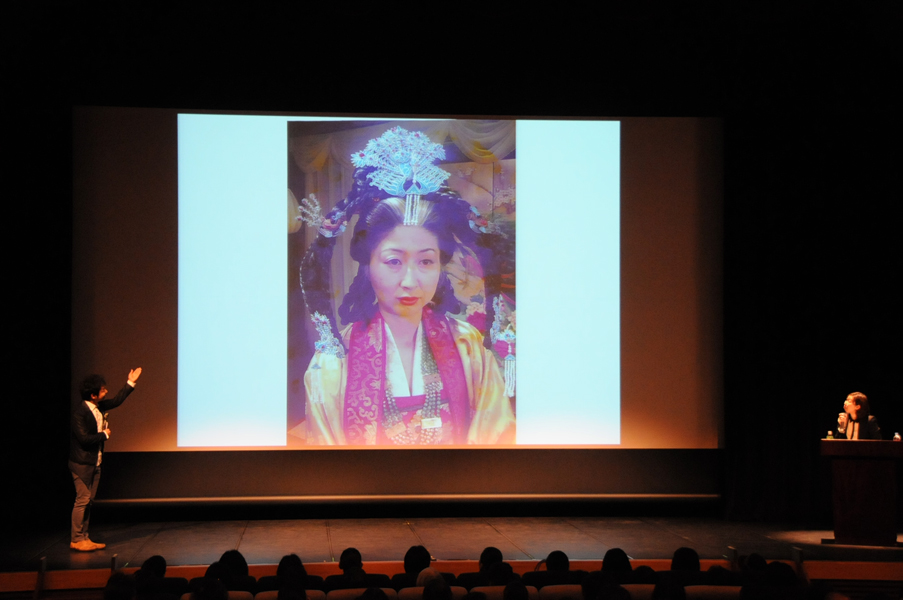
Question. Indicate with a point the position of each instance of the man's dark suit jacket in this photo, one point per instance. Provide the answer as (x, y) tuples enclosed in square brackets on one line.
[(84, 440)]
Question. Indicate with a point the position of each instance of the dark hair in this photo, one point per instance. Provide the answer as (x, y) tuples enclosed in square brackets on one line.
[(119, 587), (557, 561), (288, 563), (291, 571), (597, 585), (864, 409), (416, 559), (616, 561), (234, 565), (350, 559), (359, 303), (643, 574), (437, 589), (209, 588), (500, 573), (216, 570), (373, 593), (91, 386), (685, 559), (489, 556), (156, 565), (515, 590), (780, 574), (667, 588), (753, 562), (448, 216)]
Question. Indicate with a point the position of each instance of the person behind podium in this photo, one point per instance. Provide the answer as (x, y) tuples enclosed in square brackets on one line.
[(856, 421)]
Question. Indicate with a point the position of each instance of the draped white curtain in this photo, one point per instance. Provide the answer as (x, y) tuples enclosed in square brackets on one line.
[(325, 160)]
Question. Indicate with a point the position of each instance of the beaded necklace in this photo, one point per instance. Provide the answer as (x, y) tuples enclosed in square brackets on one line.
[(431, 421)]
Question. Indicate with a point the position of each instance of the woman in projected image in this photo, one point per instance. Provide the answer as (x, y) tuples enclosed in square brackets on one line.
[(402, 372)]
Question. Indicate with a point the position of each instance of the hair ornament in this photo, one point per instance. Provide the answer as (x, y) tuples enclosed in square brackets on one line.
[(400, 156), (309, 211), (506, 335), (327, 344)]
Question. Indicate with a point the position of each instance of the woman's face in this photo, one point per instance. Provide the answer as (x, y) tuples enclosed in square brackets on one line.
[(404, 271)]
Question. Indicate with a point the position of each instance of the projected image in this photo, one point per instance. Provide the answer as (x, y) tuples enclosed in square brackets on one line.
[(402, 324), (388, 314)]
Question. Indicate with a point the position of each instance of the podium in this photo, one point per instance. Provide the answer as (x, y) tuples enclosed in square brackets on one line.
[(865, 490)]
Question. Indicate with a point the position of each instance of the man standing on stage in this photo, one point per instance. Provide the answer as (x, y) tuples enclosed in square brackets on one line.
[(89, 431)]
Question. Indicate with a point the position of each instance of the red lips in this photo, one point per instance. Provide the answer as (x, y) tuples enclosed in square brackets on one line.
[(408, 300)]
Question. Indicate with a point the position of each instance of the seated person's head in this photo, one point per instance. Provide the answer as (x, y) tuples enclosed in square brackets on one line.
[(602, 585), (557, 561), (291, 593), (155, 565), (373, 593), (119, 587), (234, 565), (291, 573), (668, 589), (857, 406), (427, 575), (350, 560), (437, 589), (416, 559), (500, 574), (685, 559), (718, 575), (515, 590), (643, 574), (291, 568), (779, 574), (616, 561), (753, 562), (215, 571), (489, 557), (210, 589)]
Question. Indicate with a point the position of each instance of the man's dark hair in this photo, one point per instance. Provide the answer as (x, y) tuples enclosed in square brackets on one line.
[(489, 557), (515, 590), (685, 559), (416, 559), (616, 561), (862, 401), (91, 385), (350, 559), (209, 588), (373, 593), (557, 561), (119, 587), (234, 565), (156, 565), (437, 589), (500, 573), (290, 566), (597, 585)]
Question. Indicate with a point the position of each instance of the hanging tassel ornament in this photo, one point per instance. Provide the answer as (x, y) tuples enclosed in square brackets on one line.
[(316, 386), (411, 209), (496, 334), (510, 373)]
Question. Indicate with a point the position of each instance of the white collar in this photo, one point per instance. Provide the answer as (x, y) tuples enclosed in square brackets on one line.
[(395, 374)]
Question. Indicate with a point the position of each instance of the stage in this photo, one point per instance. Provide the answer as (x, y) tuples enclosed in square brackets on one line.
[(320, 541)]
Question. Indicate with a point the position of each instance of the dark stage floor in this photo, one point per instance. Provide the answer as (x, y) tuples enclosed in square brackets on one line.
[(322, 540)]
